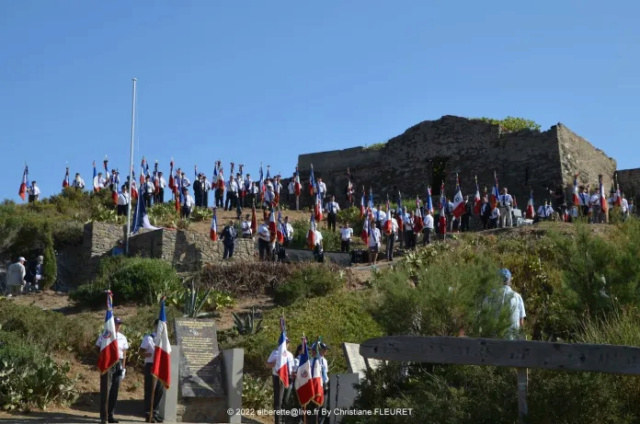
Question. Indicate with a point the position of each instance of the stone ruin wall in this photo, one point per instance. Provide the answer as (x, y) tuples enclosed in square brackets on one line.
[(522, 160), (629, 180)]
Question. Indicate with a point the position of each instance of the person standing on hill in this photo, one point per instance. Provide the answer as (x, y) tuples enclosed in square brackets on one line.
[(34, 192), (506, 297), (428, 228), (506, 207), (264, 240), (197, 191), (391, 236), (374, 243), (148, 347), (229, 236), (346, 233), (78, 182), (15, 277), (187, 204), (278, 387), (115, 375), (332, 209)]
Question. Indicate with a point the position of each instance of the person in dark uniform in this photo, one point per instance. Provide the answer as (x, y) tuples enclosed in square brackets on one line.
[(147, 348), (114, 375)]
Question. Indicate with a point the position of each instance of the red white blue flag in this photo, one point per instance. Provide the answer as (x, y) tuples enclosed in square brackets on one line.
[(531, 212), (25, 182), (65, 182), (495, 192), (477, 200), (363, 202), (108, 342), (429, 200), (161, 367), (282, 363), (312, 182), (576, 192), (316, 376), (311, 235), (213, 232), (304, 384), (603, 196), (458, 200), (442, 221)]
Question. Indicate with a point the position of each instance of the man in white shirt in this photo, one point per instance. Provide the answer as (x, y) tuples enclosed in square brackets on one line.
[(379, 216), (115, 374), (248, 189), (318, 250), (288, 231), (264, 240), (428, 228), (391, 238), (374, 243), (506, 206), (322, 188), (332, 209), (278, 387), (246, 227), (187, 203), (291, 192), (409, 235), (34, 192), (507, 297), (148, 191), (494, 218), (232, 194), (123, 201), (624, 207), (595, 207), (147, 349), (78, 182), (269, 196), (346, 233)]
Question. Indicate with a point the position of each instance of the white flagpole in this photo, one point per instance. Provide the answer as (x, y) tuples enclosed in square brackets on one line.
[(133, 122)]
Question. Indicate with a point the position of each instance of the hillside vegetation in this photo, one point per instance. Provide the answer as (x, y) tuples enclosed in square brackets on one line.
[(580, 283)]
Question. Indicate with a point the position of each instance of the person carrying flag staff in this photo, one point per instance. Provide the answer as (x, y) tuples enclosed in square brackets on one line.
[(148, 348), (282, 363), (114, 372)]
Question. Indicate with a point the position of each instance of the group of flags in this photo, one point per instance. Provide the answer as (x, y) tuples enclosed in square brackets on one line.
[(308, 383), (161, 368)]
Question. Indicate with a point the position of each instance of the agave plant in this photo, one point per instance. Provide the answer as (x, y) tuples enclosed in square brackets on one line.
[(248, 325)]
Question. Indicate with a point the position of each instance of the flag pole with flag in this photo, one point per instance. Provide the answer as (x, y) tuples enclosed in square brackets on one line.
[(108, 341), (213, 233), (297, 188), (495, 192), (443, 215), (65, 182), (304, 383), (576, 192), (399, 215), (477, 200), (25, 182), (312, 182), (531, 212), (458, 200), (96, 186), (282, 365), (316, 375), (161, 367), (618, 198), (604, 205), (429, 200), (311, 234), (363, 201)]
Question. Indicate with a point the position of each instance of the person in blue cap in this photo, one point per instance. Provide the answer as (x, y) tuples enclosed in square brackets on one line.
[(507, 297)]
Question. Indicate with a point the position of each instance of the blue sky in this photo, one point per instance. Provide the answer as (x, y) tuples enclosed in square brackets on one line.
[(267, 81)]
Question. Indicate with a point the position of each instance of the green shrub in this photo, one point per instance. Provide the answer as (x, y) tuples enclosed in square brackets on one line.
[(256, 392), (310, 281), (29, 377), (512, 124), (52, 331), (338, 318), (132, 280), (50, 265)]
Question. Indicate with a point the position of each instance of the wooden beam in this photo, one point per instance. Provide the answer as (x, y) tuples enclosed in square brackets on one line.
[(505, 353)]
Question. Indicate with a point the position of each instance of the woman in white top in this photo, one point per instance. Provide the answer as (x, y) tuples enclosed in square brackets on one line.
[(374, 242)]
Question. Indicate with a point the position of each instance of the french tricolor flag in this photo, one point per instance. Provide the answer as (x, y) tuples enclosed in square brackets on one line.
[(477, 200), (603, 196), (388, 226), (495, 192), (364, 235), (108, 343), (96, 186), (443, 215), (576, 192), (297, 187), (429, 200), (282, 365), (281, 229), (213, 233), (161, 368), (312, 181), (618, 198), (363, 202), (458, 200), (530, 213), (273, 226), (304, 384), (23, 186), (311, 235), (316, 377), (318, 211), (65, 182)]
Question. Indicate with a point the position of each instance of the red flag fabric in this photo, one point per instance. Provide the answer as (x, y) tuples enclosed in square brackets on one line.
[(108, 342), (161, 367), (23, 186)]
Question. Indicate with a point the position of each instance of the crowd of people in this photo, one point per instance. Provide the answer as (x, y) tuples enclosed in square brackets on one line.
[(24, 277)]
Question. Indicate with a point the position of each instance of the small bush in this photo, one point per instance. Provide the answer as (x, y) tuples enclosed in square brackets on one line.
[(256, 392), (137, 280), (30, 377), (311, 281), (330, 239)]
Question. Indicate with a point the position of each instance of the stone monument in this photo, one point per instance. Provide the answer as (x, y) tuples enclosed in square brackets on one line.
[(201, 389)]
